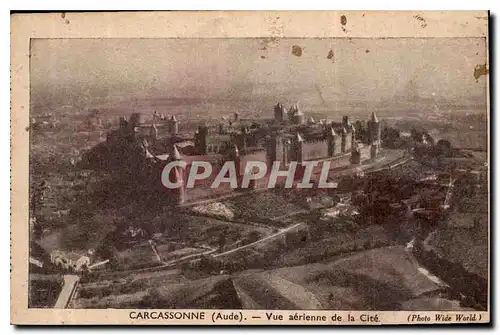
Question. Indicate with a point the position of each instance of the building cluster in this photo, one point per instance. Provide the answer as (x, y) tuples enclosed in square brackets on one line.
[(298, 139), (136, 127), (289, 136), (71, 260)]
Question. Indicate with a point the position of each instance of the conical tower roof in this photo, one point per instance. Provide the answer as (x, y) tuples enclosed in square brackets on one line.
[(299, 138), (332, 132), (173, 118), (177, 175), (175, 155), (311, 120), (144, 145), (374, 117)]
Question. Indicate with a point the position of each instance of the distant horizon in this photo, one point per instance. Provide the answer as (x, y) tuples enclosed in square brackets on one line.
[(73, 71), (176, 105)]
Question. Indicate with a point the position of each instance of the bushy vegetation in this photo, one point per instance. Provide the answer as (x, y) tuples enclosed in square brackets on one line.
[(261, 207), (113, 289)]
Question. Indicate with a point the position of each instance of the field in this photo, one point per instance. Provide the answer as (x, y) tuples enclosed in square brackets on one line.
[(43, 293), (103, 292), (138, 256), (164, 289), (172, 251), (378, 279), (262, 206), (206, 231)]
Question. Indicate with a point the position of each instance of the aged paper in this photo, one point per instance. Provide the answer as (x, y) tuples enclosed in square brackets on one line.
[(291, 168)]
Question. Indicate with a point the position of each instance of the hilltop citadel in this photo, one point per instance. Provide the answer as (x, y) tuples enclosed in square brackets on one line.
[(290, 136)]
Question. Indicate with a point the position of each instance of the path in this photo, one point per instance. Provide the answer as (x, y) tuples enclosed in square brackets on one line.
[(67, 292), (281, 232), (155, 252)]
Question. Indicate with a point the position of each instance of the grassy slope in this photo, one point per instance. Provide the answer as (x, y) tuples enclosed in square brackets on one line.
[(377, 279)]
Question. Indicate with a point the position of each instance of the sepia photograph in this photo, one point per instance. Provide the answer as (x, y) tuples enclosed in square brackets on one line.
[(174, 175)]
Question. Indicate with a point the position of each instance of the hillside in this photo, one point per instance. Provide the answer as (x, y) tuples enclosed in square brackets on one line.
[(378, 279)]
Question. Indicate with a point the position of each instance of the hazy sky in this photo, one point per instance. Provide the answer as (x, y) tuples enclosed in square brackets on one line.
[(361, 70)]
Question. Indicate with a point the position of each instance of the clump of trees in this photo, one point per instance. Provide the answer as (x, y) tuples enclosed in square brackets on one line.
[(36, 204), (205, 265), (114, 289), (391, 138)]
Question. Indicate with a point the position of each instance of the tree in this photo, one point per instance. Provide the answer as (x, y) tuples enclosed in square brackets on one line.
[(222, 238), (390, 137), (252, 236), (36, 204), (444, 147)]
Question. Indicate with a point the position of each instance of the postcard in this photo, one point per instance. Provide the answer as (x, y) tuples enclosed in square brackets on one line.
[(253, 168)]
